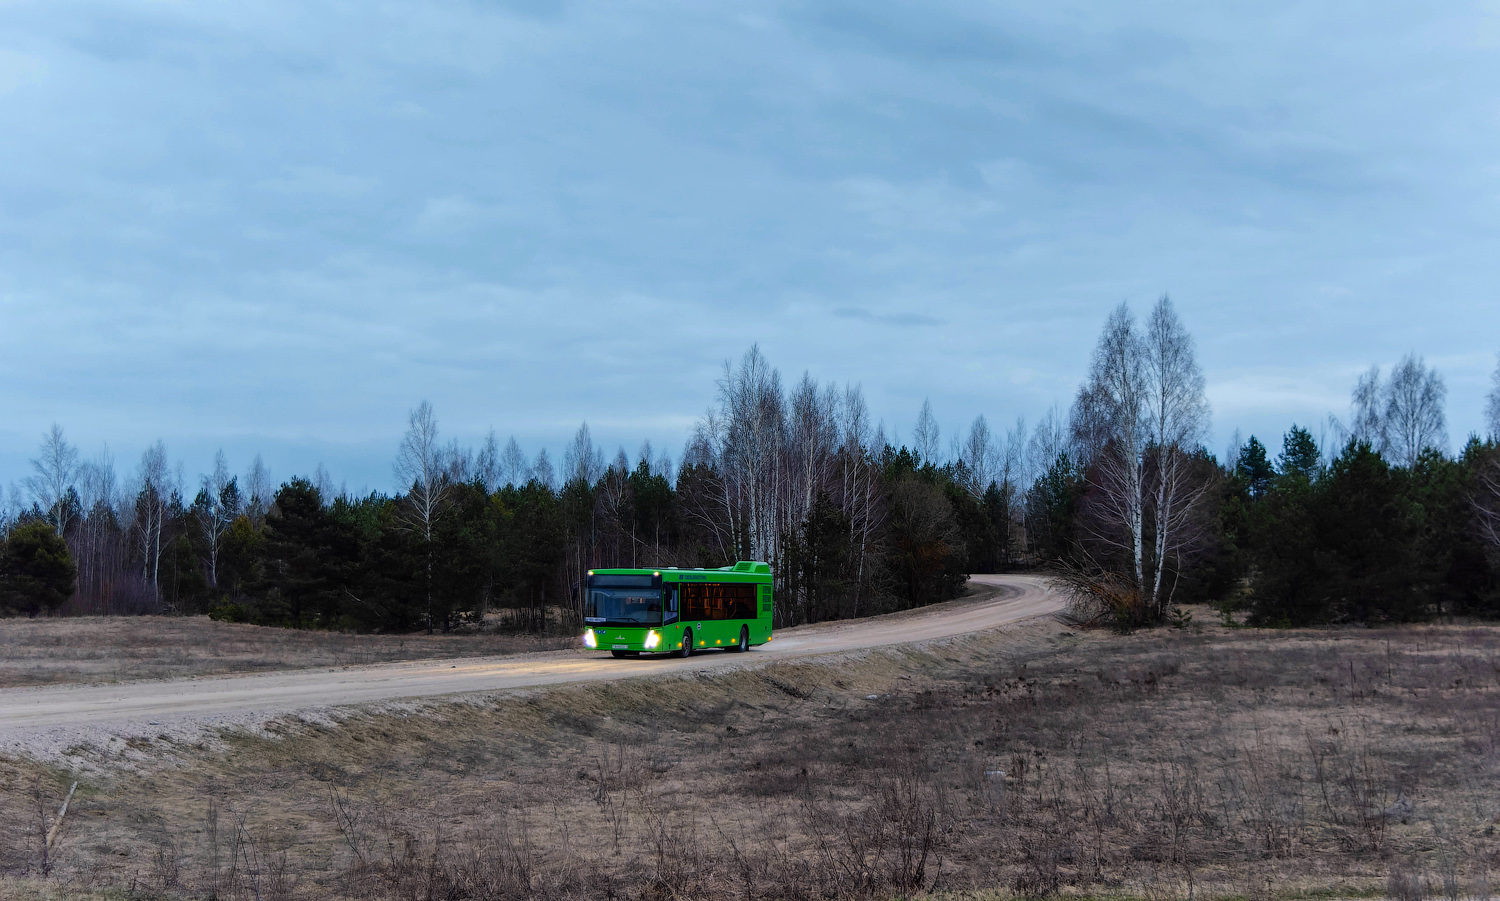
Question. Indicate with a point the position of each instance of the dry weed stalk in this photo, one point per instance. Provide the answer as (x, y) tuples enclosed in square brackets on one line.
[(1168, 764)]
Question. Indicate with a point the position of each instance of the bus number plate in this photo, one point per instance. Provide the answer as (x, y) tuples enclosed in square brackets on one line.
[(620, 646)]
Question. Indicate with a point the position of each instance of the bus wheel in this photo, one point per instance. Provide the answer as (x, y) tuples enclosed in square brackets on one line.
[(687, 643), (744, 642)]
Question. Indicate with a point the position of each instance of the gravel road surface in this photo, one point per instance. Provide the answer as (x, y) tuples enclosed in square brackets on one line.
[(48, 719)]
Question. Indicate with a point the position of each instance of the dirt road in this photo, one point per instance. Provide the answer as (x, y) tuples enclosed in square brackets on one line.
[(34, 717)]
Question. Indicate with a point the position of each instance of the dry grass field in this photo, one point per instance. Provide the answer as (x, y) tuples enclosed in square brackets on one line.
[(1037, 762), (115, 649)]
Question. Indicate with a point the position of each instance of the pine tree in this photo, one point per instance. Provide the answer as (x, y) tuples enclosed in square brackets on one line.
[(299, 557), (1253, 469), (36, 571), (1299, 455)]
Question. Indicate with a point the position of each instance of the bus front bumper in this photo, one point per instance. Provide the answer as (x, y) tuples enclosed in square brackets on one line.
[(615, 638)]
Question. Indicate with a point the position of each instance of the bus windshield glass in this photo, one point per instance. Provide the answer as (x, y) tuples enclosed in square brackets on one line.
[(624, 606)]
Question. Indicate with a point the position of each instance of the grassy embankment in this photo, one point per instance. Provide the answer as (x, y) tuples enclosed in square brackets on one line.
[(1206, 763)]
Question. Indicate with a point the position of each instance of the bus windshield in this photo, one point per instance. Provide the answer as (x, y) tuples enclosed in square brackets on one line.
[(625, 606)]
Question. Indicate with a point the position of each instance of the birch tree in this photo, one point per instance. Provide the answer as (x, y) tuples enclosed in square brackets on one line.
[(704, 498), (10, 509), (322, 481), (1486, 493), (812, 435), (542, 472), (1366, 422), (862, 497), (457, 462), (1049, 440), (582, 461), (1400, 416), (1014, 462), (1486, 497), (515, 470), (1014, 481), (54, 472), (1140, 416), (613, 501), (94, 538), (258, 492), (1492, 406), (1414, 420), (753, 431), (153, 497), (1109, 418), (925, 436), (979, 457), (656, 462), (216, 507), (420, 467), (487, 465), (662, 466), (1177, 418)]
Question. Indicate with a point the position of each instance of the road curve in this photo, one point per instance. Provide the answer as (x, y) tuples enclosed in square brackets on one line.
[(93, 711)]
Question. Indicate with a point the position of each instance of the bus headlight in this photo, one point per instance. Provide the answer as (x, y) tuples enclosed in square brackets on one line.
[(652, 639), (589, 641)]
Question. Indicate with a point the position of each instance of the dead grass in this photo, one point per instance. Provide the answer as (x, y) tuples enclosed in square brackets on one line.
[(117, 648), (1213, 763)]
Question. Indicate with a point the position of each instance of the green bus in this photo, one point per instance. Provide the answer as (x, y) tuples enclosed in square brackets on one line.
[(677, 611)]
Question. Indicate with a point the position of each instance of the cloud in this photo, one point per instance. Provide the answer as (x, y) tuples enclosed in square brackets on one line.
[(896, 319), (287, 223)]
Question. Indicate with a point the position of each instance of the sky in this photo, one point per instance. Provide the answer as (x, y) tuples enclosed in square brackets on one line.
[(277, 227)]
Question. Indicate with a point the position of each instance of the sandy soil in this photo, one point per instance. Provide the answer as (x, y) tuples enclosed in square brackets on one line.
[(47, 720)]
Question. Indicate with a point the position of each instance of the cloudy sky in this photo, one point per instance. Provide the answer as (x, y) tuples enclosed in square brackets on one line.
[(278, 226)]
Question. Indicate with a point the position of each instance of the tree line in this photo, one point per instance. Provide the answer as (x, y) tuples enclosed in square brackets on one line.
[(798, 477), (1375, 523), (1117, 496)]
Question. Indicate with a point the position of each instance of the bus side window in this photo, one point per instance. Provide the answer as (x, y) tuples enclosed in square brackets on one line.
[(670, 614)]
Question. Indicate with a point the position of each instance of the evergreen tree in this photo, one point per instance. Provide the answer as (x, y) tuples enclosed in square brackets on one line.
[(1455, 571), (653, 502), (925, 561), (241, 558), (1281, 535), (465, 564), (1367, 531), (1253, 469), (303, 559), (1299, 454), (981, 537), (1343, 548), (996, 506), (37, 574), (536, 548), (1051, 510), (184, 580), (389, 597)]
